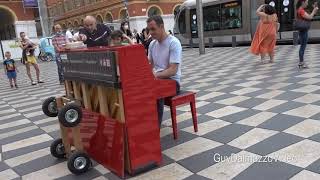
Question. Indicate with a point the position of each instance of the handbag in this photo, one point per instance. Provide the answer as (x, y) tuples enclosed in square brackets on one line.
[(302, 25)]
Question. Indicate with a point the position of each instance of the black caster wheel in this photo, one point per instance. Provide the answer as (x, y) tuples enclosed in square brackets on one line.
[(70, 115), (49, 107), (79, 163), (57, 149)]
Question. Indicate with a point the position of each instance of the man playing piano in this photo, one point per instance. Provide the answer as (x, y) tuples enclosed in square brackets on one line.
[(165, 55), (94, 34)]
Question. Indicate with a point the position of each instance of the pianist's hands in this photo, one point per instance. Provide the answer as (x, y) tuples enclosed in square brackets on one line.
[(154, 73), (82, 37)]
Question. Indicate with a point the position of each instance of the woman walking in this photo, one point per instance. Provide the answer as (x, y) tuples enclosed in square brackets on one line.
[(302, 15), (264, 40)]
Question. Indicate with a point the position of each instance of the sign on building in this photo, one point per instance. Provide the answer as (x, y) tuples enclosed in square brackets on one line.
[(30, 3)]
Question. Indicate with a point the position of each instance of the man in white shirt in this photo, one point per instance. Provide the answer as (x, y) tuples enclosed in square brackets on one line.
[(165, 55), (69, 35)]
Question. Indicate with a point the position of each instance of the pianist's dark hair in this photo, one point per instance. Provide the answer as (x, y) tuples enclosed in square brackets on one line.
[(157, 19)]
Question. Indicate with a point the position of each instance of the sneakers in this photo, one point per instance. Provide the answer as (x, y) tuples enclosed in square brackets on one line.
[(16, 86), (11, 86), (302, 65), (34, 83)]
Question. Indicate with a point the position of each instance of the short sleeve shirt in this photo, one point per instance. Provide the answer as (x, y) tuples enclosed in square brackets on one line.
[(9, 65), (164, 53), (69, 35), (99, 37), (59, 40), (301, 13)]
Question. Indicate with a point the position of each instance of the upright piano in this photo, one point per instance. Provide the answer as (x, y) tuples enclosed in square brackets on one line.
[(118, 93)]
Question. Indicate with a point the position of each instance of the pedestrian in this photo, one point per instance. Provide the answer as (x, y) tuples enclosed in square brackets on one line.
[(146, 39), (165, 56), (302, 15), (59, 41), (76, 34), (69, 35), (10, 70), (118, 38), (29, 60), (125, 29), (135, 37), (94, 34), (265, 38)]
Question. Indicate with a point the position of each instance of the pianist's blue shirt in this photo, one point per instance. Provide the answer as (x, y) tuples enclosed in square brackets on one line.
[(169, 51)]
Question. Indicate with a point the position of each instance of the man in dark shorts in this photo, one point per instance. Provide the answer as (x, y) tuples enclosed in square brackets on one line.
[(94, 34)]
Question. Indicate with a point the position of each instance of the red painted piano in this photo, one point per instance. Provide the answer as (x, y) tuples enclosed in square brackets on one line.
[(118, 124)]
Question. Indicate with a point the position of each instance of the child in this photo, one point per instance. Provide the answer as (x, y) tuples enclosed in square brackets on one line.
[(29, 47), (118, 38), (10, 69)]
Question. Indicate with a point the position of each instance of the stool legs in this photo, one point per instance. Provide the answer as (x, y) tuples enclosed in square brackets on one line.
[(194, 116), (174, 121)]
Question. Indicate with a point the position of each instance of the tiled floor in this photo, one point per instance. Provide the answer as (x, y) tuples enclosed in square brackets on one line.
[(256, 121)]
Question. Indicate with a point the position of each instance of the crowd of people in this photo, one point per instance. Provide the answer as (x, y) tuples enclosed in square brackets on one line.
[(164, 51), (91, 33)]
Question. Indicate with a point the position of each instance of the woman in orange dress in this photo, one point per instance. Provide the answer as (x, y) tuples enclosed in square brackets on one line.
[(265, 38)]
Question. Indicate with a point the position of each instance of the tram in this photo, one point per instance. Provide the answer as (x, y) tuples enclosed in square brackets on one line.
[(226, 21)]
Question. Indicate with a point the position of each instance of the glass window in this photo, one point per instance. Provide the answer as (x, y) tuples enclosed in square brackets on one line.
[(66, 8), (123, 14), (153, 11), (99, 19), (310, 8), (109, 18), (77, 3), (182, 22), (231, 15), (76, 24), (61, 10), (211, 18)]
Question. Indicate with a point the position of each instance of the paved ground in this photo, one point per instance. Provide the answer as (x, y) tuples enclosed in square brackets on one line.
[(255, 122)]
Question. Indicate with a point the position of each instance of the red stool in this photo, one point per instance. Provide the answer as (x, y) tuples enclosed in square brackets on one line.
[(183, 97)]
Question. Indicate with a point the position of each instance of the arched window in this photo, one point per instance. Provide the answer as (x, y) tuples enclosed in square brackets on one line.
[(109, 18), (123, 14), (64, 26), (70, 25), (99, 19), (153, 11), (75, 24), (7, 27)]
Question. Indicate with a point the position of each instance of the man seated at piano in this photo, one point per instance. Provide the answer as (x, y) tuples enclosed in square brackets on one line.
[(165, 56), (94, 34)]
